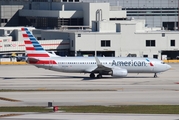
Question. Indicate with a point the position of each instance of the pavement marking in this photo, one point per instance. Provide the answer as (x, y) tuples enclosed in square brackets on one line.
[(42, 89), (119, 89)]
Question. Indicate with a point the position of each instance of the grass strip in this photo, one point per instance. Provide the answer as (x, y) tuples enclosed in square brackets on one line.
[(138, 109), (135, 109), (9, 115), (8, 99), (24, 109)]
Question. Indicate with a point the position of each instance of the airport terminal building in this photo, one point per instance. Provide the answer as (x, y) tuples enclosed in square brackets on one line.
[(54, 13), (87, 29), (157, 13)]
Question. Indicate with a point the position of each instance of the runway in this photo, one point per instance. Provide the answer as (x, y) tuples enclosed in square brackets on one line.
[(79, 89)]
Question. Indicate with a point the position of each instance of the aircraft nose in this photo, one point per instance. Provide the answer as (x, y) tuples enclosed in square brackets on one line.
[(168, 67)]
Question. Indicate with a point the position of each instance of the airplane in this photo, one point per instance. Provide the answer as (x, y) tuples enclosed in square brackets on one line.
[(114, 66)]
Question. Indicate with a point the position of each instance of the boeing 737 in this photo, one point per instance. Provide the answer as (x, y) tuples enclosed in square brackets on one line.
[(114, 66)]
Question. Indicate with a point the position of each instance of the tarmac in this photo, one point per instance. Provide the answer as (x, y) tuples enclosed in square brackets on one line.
[(90, 116), (78, 89)]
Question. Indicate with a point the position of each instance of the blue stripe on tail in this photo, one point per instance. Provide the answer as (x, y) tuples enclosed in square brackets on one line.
[(34, 41)]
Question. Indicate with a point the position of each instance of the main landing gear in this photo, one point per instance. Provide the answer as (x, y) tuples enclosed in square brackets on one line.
[(92, 75), (155, 75), (99, 76)]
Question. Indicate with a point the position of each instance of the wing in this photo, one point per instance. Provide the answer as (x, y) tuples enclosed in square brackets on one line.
[(98, 68)]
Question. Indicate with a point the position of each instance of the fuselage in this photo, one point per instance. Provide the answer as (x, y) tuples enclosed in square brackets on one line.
[(87, 64)]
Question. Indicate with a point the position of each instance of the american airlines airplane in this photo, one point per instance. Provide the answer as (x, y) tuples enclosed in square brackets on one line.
[(114, 66)]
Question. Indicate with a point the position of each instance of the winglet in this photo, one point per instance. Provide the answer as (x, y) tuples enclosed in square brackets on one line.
[(98, 62)]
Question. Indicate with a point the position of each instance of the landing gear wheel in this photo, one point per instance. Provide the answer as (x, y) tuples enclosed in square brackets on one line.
[(99, 76), (155, 75), (92, 75)]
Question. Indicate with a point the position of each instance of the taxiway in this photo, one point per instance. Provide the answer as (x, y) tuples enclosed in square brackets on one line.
[(79, 89)]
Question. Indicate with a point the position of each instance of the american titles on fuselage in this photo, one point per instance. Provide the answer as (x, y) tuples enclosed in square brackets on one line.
[(128, 63)]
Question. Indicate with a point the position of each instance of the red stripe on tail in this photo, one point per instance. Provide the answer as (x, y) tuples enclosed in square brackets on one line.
[(22, 29), (25, 35), (30, 48), (27, 42)]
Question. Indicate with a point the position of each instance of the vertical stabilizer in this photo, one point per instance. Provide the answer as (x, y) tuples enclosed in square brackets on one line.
[(32, 46), (35, 52)]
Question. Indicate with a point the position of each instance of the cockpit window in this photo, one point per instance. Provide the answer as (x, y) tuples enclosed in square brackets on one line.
[(163, 62)]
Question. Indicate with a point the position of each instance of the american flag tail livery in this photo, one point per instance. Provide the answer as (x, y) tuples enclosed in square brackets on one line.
[(35, 52)]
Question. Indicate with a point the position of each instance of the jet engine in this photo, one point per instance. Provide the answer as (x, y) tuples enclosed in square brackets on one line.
[(119, 72)]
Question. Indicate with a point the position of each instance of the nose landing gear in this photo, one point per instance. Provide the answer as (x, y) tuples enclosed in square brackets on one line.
[(155, 75)]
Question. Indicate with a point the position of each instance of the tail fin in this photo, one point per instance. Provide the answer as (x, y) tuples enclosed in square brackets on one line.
[(35, 52), (32, 46)]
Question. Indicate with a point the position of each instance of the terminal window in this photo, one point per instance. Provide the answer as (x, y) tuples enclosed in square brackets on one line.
[(79, 35), (8, 32), (150, 43), (172, 42), (163, 34), (145, 55), (105, 43), (4, 20), (155, 56)]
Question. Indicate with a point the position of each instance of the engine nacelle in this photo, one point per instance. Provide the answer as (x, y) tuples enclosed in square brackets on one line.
[(119, 73)]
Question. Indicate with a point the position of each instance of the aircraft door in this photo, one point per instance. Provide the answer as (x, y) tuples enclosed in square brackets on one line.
[(50, 64), (155, 67)]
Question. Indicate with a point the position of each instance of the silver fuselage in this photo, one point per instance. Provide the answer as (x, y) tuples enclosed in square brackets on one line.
[(87, 64)]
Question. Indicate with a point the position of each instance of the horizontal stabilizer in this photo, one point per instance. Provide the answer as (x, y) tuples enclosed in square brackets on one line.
[(32, 60)]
